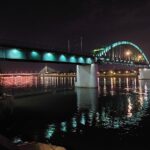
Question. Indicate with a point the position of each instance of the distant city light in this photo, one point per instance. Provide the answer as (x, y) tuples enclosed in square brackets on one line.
[(111, 72)]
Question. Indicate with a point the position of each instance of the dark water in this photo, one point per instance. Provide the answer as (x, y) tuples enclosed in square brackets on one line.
[(114, 115)]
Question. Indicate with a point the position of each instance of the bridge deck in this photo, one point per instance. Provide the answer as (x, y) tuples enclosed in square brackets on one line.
[(20, 54)]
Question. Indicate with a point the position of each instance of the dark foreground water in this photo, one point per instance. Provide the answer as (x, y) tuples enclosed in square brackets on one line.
[(116, 115)]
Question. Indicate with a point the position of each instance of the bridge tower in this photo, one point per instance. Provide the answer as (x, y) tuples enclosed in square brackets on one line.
[(86, 76)]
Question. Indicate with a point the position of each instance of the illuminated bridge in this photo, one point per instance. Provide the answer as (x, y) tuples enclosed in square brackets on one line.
[(122, 52), (43, 55)]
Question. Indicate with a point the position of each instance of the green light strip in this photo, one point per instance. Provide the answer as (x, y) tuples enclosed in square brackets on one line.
[(108, 48)]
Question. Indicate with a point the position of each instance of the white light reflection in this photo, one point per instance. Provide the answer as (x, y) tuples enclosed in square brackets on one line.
[(135, 85), (141, 100), (105, 88), (127, 84), (146, 92), (140, 86), (112, 82), (98, 86), (87, 99), (129, 111), (57, 81), (119, 82), (17, 140)]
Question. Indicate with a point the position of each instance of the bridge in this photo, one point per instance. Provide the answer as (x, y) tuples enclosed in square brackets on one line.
[(122, 52), (43, 55)]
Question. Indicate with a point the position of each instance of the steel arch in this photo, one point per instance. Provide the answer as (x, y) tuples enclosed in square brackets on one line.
[(101, 51)]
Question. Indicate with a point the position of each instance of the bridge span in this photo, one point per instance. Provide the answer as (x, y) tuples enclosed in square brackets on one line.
[(43, 55), (122, 52)]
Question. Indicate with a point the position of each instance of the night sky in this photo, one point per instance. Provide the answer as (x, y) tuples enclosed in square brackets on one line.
[(49, 24)]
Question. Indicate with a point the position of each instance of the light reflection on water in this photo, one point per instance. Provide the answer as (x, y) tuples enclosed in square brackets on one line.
[(109, 110), (34, 84), (117, 103)]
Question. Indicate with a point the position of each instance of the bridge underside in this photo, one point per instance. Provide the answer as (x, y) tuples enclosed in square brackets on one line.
[(18, 54)]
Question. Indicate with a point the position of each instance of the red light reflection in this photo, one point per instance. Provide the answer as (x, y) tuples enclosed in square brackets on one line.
[(18, 81)]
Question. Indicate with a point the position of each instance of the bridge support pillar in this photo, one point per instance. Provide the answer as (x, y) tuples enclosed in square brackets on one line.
[(86, 76), (144, 73)]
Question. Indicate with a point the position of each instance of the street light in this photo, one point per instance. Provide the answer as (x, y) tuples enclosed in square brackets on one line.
[(139, 57), (128, 54)]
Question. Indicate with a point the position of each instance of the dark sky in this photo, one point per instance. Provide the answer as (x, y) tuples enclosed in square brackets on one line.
[(51, 23)]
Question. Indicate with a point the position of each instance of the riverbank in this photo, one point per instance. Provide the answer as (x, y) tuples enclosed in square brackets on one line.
[(5, 144)]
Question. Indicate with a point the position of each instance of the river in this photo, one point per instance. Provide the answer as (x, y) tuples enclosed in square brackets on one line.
[(51, 110)]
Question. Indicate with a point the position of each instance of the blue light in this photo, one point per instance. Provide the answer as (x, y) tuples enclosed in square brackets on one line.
[(72, 59), (81, 60), (74, 122), (63, 127), (35, 55), (15, 54), (89, 61), (49, 57), (62, 58), (2, 54), (83, 119)]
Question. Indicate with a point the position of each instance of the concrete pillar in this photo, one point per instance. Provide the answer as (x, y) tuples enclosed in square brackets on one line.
[(86, 76), (144, 73)]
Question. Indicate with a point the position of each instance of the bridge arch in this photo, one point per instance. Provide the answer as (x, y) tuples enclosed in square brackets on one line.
[(101, 51)]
